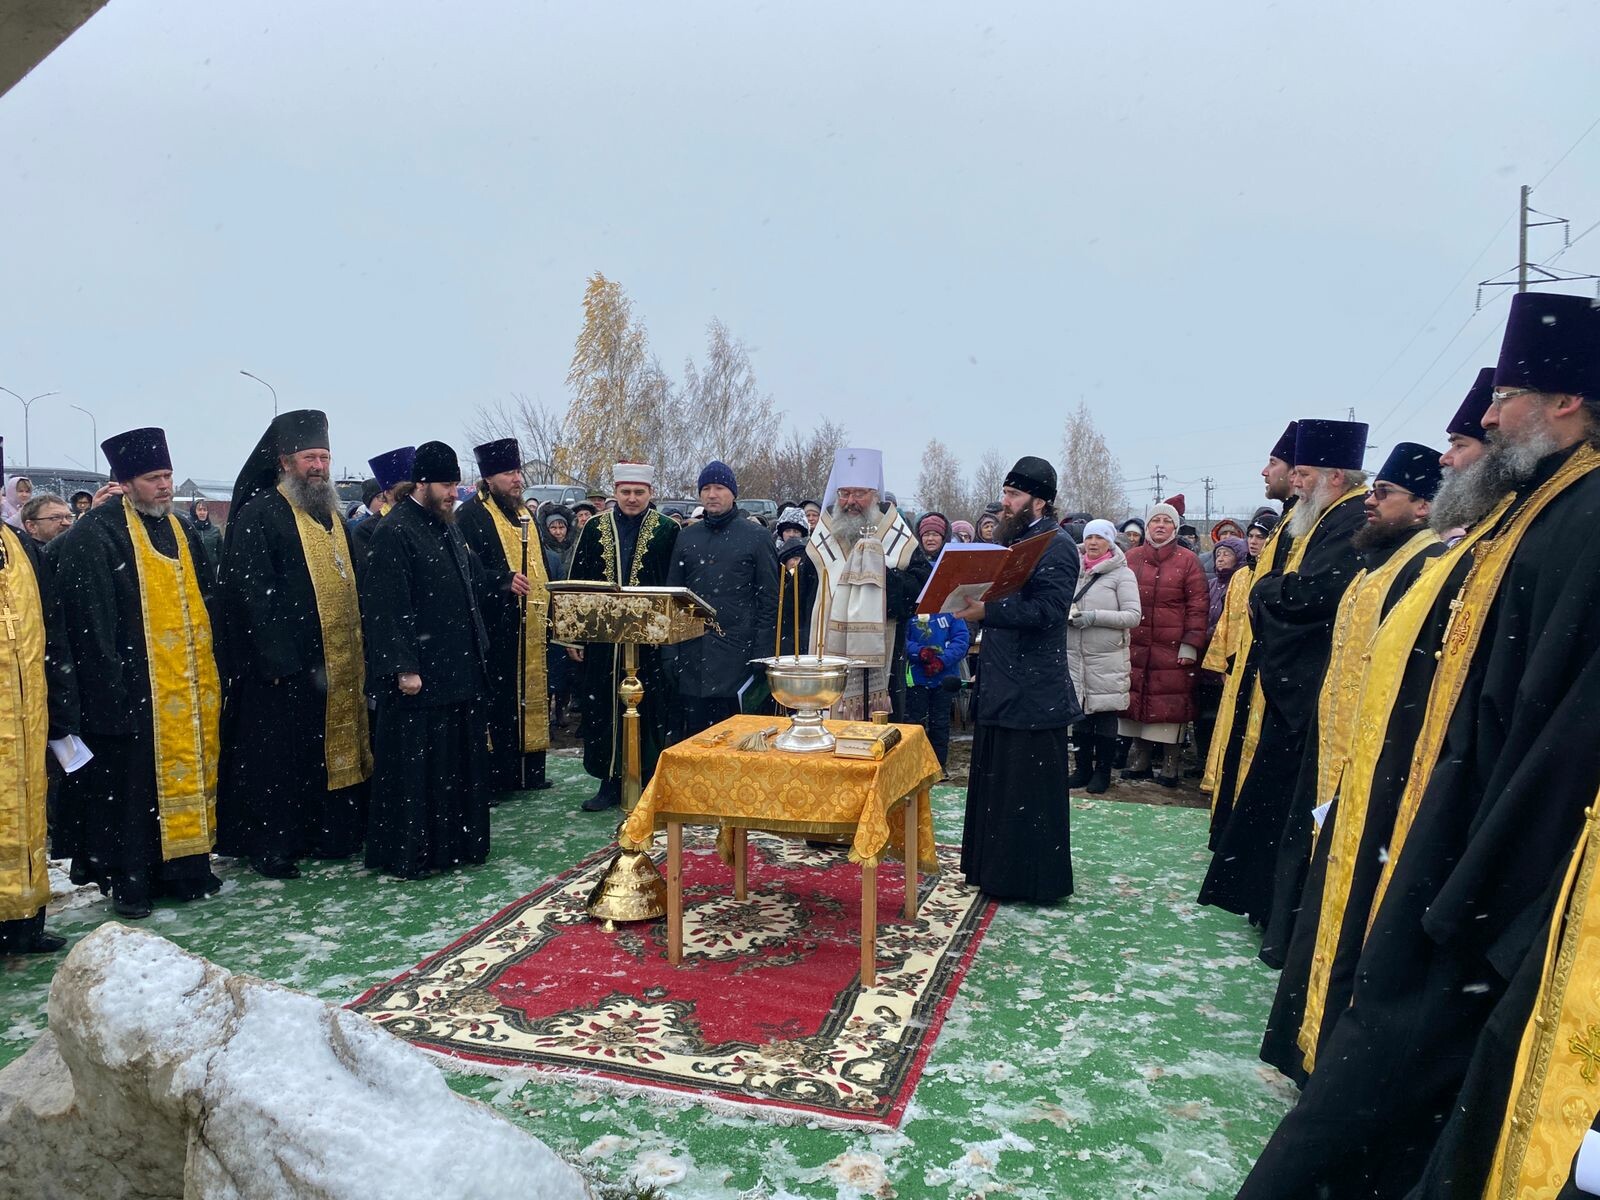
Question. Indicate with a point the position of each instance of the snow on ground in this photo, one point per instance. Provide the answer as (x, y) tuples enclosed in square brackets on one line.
[(1103, 1047)]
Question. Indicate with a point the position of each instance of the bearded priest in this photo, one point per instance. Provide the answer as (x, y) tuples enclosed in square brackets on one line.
[(631, 545), (296, 755), (870, 570), (1491, 803), (134, 595), (1292, 612), (427, 653), (1016, 839), (516, 606)]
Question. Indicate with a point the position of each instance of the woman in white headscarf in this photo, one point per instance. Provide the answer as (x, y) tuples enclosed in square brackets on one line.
[(19, 490), (1105, 608)]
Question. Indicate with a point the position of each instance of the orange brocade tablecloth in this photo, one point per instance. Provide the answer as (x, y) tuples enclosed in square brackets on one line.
[(786, 792)]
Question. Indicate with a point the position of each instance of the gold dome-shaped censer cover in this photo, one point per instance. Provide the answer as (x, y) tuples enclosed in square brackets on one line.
[(631, 890)]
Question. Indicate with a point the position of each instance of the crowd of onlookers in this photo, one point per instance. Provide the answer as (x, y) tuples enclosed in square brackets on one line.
[(1149, 599)]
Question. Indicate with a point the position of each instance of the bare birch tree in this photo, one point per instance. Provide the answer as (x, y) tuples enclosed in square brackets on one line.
[(1090, 477), (939, 484), (540, 433), (725, 415)]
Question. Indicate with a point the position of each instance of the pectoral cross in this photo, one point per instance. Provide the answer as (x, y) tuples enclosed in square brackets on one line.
[(10, 618), (338, 565), (1587, 1046)]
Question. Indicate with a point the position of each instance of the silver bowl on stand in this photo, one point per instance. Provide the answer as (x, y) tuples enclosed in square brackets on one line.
[(806, 684)]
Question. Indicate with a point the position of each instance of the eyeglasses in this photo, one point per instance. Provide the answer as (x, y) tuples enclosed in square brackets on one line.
[(1382, 491), (1501, 395)]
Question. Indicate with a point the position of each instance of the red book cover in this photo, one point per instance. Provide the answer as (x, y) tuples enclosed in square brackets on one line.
[(978, 571)]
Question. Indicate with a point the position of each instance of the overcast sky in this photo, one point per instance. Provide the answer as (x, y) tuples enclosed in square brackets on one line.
[(924, 219)]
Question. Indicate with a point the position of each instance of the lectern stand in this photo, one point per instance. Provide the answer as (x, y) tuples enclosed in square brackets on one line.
[(581, 612)]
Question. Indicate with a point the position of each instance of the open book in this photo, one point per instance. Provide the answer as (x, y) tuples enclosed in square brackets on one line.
[(969, 571)]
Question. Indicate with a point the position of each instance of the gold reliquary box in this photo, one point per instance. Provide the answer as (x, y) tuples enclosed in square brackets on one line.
[(581, 611)]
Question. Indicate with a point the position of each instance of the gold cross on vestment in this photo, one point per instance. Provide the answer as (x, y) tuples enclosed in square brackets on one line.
[(1587, 1046), (10, 618)]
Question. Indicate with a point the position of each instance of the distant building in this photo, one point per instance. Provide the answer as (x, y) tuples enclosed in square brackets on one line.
[(63, 481), (217, 493)]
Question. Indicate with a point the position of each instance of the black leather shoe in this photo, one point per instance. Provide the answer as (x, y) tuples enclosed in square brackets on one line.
[(275, 868), (1147, 773), (133, 910), (1167, 781), (540, 784), (45, 943), (609, 796)]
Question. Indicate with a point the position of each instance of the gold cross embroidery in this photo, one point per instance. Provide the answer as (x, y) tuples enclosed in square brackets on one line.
[(1587, 1046), (10, 619)]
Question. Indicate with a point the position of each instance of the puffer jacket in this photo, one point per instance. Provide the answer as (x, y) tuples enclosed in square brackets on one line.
[(1174, 599), (1107, 609)]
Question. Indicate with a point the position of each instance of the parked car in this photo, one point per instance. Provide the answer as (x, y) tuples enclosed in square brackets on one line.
[(556, 493), (767, 510), (682, 505)]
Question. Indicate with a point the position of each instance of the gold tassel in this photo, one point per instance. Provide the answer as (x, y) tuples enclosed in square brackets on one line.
[(756, 741)]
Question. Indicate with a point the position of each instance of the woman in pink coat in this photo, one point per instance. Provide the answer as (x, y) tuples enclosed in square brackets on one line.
[(1166, 646)]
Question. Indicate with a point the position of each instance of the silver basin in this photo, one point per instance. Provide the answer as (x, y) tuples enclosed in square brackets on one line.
[(806, 685)]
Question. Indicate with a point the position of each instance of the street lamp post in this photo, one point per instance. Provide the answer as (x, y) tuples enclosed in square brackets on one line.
[(94, 436), (27, 405), (266, 385)]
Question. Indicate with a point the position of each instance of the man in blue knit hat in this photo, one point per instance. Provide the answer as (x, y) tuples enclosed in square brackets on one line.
[(732, 565)]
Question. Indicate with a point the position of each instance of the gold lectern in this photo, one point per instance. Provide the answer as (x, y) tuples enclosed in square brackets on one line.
[(582, 612)]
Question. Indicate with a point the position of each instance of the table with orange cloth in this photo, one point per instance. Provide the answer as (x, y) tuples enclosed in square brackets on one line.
[(707, 780)]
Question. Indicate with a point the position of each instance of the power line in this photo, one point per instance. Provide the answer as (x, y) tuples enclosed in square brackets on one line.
[(1595, 124), (1471, 317)]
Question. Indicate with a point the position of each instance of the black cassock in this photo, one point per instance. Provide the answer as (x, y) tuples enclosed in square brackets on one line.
[(112, 801), (419, 602), (1016, 838), (502, 617), (1292, 615), (1474, 886), (1297, 936), (273, 801)]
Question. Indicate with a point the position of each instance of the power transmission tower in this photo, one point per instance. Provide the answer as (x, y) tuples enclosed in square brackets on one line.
[(1158, 477), (1210, 486), (1524, 267)]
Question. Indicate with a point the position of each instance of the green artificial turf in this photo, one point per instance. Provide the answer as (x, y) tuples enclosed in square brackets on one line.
[(1105, 1047)]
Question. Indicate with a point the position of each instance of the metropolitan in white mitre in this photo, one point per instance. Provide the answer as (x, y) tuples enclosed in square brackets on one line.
[(869, 573)]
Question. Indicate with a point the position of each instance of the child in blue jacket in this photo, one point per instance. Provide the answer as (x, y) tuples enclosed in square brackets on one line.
[(935, 647)]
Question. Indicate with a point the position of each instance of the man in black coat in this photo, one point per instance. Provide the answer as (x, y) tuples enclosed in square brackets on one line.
[(1016, 844), (730, 563), (1291, 615), (134, 590), (392, 470), (296, 750), (516, 604), (426, 652)]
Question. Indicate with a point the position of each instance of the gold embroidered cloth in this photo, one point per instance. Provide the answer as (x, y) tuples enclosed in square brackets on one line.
[(1258, 696), (1385, 667), (185, 693), (791, 793), (24, 726), (533, 690), (347, 749), (1228, 641), (1558, 1061), (1354, 625), (1469, 610)]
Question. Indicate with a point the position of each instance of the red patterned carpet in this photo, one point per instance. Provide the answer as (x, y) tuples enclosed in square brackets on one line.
[(766, 1011)]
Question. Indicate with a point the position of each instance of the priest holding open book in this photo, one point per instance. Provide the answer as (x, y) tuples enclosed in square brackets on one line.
[(1016, 843)]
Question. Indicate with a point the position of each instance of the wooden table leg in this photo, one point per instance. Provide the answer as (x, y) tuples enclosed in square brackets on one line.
[(674, 892), (869, 926), (740, 848), (913, 807)]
